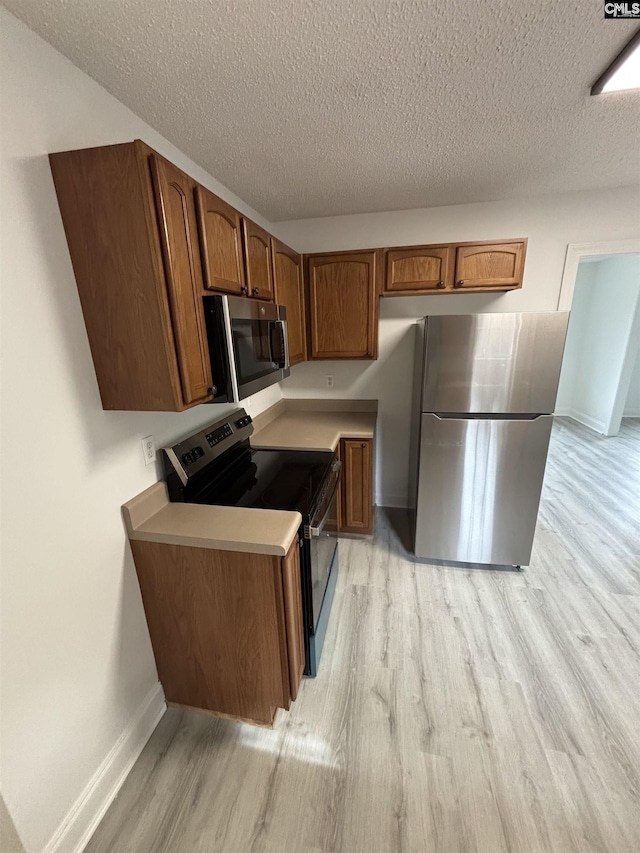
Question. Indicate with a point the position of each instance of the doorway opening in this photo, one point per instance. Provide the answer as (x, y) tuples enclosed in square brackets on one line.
[(600, 378)]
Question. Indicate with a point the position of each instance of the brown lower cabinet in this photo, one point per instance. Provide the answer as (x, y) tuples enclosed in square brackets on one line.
[(226, 627), (355, 502)]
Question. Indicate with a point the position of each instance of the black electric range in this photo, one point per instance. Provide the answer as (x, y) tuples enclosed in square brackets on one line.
[(218, 466)]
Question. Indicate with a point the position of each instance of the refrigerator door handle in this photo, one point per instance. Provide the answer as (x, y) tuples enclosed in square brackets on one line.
[(493, 416)]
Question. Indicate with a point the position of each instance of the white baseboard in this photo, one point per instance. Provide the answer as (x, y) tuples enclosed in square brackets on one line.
[(78, 826), (631, 413), (588, 421), (392, 500)]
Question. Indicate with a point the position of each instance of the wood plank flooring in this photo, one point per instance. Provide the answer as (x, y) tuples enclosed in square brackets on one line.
[(456, 709)]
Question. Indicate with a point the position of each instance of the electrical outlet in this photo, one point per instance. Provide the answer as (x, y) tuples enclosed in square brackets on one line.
[(149, 449), (329, 379)]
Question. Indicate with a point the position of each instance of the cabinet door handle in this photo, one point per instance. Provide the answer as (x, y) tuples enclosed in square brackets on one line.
[(244, 289), (255, 291), (363, 445), (459, 283), (440, 284)]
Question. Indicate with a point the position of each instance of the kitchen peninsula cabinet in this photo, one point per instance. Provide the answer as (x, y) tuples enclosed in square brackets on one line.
[(258, 263), (221, 240), (226, 627), (130, 222), (342, 303), (356, 487), (289, 291)]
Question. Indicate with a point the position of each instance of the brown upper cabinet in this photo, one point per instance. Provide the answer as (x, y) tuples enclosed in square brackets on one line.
[(221, 241), (419, 269), (130, 222), (183, 269), (258, 266), (489, 266), (343, 305), (456, 267), (289, 291)]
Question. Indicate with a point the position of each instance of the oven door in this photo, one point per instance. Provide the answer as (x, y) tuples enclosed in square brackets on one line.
[(322, 536)]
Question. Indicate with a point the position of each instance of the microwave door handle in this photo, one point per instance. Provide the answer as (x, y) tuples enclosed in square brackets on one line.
[(279, 343)]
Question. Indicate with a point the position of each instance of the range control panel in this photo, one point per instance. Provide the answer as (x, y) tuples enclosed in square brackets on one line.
[(192, 454), (217, 435)]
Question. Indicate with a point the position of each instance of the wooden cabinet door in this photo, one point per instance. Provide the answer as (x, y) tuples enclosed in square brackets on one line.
[(221, 242), (489, 266), (289, 291), (257, 257), (419, 269), (293, 616), (343, 305), (357, 485), (183, 268)]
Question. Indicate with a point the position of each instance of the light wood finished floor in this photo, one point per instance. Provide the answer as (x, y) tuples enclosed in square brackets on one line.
[(455, 710)]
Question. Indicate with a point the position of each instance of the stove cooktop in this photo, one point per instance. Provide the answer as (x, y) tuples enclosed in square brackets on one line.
[(270, 479)]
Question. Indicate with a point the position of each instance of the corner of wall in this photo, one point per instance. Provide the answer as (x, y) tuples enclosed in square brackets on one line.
[(80, 823)]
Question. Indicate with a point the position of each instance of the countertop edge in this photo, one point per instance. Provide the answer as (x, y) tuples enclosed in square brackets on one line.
[(211, 544)]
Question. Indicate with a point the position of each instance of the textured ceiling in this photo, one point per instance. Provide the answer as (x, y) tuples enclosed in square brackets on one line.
[(320, 107)]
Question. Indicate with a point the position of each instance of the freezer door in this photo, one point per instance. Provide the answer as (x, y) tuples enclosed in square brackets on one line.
[(479, 488), (493, 363)]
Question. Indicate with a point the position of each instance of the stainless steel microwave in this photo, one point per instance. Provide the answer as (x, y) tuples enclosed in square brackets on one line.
[(248, 345)]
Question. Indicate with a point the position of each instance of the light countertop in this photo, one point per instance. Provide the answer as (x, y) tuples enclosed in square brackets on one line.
[(151, 517), (290, 425), (296, 428)]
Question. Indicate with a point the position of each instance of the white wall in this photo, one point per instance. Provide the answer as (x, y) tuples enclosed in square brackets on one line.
[(585, 280), (632, 403), (550, 223), (602, 342), (76, 659)]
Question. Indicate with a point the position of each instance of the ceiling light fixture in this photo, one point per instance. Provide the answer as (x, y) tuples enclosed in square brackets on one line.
[(624, 71)]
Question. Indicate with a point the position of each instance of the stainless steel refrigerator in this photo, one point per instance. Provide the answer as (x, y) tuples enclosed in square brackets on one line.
[(489, 386)]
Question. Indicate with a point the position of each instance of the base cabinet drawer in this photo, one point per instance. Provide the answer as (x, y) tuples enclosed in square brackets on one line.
[(356, 488)]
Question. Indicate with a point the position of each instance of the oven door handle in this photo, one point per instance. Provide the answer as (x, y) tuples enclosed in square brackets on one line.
[(311, 531)]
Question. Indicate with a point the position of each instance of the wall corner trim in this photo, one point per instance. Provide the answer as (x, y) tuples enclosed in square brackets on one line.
[(577, 251), (81, 821)]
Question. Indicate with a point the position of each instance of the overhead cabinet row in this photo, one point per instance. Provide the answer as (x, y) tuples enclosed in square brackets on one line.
[(147, 242), (458, 267), (343, 287)]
